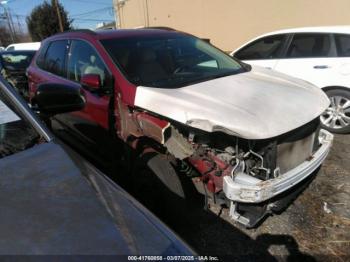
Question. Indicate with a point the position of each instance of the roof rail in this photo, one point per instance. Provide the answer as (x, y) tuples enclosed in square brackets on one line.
[(88, 31), (160, 27)]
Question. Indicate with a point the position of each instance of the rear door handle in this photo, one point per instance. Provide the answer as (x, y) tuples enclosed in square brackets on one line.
[(321, 66)]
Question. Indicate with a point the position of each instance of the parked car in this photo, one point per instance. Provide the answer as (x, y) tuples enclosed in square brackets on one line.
[(24, 46), (53, 202), (187, 111), (13, 67), (319, 55)]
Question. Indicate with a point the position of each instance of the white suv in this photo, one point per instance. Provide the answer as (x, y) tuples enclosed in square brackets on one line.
[(319, 55)]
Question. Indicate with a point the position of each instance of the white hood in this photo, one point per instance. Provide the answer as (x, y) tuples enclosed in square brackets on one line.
[(255, 105)]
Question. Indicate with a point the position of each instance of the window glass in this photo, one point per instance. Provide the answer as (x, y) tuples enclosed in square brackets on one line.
[(343, 45), (170, 60), (265, 48), (55, 57), (16, 133), (309, 45), (16, 60), (83, 59), (40, 60)]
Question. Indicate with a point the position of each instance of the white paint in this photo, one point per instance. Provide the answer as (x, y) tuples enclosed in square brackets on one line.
[(314, 29), (24, 46), (254, 105), (336, 71), (6, 114)]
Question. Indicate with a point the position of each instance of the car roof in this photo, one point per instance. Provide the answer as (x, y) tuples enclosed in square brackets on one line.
[(119, 33), (344, 29)]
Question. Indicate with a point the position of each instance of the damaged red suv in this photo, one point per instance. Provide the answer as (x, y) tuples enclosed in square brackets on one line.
[(186, 109)]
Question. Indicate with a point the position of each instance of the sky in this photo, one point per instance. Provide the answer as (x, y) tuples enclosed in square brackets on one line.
[(86, 13)]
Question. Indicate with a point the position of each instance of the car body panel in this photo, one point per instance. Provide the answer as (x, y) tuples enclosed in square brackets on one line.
[(51, 208), (321, 72), (252, 105)]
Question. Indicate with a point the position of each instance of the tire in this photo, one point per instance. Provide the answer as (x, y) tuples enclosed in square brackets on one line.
[(336, 118)]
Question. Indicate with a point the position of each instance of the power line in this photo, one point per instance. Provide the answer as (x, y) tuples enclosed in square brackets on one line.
[(87, 19), (92, 11)]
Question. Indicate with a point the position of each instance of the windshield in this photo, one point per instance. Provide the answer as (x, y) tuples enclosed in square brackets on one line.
[(169, 61), (14, 61), (16, 134)]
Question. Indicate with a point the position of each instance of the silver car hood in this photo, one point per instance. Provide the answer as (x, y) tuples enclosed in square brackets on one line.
[(258, 104)]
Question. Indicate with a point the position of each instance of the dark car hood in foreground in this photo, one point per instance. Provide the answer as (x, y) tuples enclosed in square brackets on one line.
[(49, 205)]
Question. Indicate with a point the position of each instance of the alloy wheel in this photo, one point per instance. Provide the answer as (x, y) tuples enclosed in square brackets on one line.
[(337, 115)]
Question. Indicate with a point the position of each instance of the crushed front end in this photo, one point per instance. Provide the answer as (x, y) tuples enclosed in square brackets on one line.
[(253, 177)]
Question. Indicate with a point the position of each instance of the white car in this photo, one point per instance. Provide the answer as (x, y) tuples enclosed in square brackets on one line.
[(319, 55), (24, 46)]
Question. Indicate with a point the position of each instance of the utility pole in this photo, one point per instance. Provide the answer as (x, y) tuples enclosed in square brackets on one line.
[(59, 15), (9, 24)]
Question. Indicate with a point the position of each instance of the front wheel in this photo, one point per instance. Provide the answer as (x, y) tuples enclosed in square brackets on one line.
[(158, 186), (336, 118)]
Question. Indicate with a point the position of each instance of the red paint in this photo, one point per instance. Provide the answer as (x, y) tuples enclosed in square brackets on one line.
[(212, 169), (91, 80)]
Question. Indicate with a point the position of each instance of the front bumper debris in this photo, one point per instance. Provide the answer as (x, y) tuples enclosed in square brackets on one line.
[(247, 189)]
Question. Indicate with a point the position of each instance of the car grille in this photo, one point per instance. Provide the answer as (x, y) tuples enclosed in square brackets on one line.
[(297, 146)]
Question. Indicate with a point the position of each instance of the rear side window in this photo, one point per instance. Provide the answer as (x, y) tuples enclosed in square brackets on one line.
[(40, 60), (55, 57), (309, 45), (264, 48), (343, 45)]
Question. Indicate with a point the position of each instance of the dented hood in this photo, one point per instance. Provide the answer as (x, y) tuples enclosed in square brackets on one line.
[(258, 104)]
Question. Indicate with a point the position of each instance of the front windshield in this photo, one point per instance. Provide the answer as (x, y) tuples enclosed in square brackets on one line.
[(169, 61), (16, 60), (16, 134)]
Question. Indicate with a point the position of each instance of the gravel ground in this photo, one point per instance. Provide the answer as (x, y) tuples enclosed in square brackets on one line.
[(315, 227)]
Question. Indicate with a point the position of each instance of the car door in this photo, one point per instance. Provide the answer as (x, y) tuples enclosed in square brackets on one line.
[(92, 124), (263, 52), (311, 57)]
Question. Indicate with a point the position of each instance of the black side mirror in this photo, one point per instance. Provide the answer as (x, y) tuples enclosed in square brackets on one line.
[(54, 99)]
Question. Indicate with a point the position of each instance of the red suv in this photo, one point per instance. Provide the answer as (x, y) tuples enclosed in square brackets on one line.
[(187, 110)]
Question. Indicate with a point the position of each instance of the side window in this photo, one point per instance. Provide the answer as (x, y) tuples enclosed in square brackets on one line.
[(264, 48), (343, 45), (55, 57), (309, 45), (83, 59), (40, 60)]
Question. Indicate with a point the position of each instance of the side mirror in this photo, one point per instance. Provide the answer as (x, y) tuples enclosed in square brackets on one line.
[(92, 81), (58, 98)]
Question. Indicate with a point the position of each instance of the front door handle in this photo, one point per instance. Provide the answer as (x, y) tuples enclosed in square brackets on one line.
[(321, 66)]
